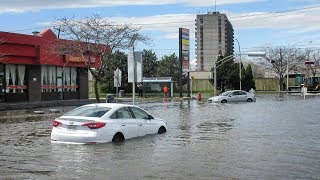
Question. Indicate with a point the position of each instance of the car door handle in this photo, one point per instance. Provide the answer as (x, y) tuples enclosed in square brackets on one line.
[(123, 124), (140, 124)]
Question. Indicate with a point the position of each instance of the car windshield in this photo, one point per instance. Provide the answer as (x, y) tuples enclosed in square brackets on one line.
[(88, 111), (225, 93)]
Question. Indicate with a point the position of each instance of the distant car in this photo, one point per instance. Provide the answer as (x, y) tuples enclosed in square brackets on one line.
[(104, 122), (233, 96)]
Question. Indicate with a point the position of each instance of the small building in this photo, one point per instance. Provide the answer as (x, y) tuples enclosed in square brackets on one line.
[(30, 70)]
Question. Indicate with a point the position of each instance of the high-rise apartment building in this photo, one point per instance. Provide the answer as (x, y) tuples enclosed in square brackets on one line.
[(214, 36)]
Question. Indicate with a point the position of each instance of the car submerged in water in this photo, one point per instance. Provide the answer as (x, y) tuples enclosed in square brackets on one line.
[(104, 122), (233, 96)]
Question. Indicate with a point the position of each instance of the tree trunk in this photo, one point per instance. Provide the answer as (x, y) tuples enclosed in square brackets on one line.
[(280, 74), (96, 91)]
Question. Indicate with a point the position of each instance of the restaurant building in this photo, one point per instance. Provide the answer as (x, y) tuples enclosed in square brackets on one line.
[(30, 70)]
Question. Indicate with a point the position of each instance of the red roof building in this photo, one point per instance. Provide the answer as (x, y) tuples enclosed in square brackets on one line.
[(32, 70)]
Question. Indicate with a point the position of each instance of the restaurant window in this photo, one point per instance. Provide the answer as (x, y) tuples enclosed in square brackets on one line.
[(15, 78), (48, 79), (54, 79), (70, 79)]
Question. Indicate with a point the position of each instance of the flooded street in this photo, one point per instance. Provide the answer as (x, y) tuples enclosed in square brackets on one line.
[(273, 138)]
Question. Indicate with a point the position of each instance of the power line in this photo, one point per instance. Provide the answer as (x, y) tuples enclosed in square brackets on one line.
[(236, 18)]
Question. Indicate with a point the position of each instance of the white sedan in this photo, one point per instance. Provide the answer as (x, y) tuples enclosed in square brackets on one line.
[(104, 122), (233, 96)]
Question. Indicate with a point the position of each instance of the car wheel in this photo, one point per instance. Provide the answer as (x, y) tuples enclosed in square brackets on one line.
[(224, 101), (162, 130), (118, 137), (249, 100)]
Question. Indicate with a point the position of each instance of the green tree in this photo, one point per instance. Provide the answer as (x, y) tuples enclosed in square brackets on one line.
[(117, 59), (227, 74), (169, 67), (248, 81), (149, 63)]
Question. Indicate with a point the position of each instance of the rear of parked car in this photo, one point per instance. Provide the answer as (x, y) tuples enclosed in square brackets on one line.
[(75, 130), (104, 122)]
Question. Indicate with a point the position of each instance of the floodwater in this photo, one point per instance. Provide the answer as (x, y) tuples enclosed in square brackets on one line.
[(277, 137)]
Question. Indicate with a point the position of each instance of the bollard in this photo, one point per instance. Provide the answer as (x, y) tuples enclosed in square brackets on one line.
[(199, 96)]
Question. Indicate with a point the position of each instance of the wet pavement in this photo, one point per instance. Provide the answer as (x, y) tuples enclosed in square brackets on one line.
[(276, 137)]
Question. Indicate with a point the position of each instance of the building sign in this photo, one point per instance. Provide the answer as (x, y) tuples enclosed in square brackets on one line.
[(135, 67), (184, 49), (79, 58)]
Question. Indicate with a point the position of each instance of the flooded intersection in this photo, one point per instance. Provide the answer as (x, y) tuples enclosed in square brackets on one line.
[(273, 138)]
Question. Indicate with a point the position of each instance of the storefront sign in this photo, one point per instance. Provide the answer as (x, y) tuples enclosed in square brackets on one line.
[(79, 59)]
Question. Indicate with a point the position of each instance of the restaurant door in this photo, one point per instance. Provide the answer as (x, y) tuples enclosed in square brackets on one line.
[(2, 84)]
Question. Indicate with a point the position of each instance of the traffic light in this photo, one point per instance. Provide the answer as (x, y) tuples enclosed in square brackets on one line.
[(309, 62)]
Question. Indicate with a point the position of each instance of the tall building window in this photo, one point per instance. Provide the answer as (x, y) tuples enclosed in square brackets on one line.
[(15, 78)]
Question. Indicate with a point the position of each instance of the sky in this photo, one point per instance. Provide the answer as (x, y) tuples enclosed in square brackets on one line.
[(257, 23)]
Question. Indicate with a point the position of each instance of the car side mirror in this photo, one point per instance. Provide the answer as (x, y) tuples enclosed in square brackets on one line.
[(150, 117)]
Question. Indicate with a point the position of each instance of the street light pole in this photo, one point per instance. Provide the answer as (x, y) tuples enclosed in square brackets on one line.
[(239, 63), (215, 76), (215, 70)]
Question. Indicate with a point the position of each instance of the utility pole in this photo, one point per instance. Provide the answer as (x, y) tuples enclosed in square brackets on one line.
[(134, 37), (280, 73), (215, 77), (239, 64), (59, 29)]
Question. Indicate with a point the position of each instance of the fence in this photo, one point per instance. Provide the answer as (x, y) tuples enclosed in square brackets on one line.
[(204, 85)]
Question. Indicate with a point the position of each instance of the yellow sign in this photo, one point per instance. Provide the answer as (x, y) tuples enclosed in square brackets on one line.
[(185, 42), (79, 58), (73, 58)]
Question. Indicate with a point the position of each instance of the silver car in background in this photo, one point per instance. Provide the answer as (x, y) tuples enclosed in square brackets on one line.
[(233, 96)]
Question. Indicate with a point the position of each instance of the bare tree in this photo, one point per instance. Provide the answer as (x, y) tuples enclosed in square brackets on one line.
[(312, 64), (282, 59), (96, 36)]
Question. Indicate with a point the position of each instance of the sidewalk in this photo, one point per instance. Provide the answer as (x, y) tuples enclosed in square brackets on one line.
[(44, 104), (78, 102)]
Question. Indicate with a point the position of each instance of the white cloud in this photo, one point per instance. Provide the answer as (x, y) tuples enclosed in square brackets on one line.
[(297, 22), (304, 1), (305, 20), (193, 64), (36, 5), (167, 23)]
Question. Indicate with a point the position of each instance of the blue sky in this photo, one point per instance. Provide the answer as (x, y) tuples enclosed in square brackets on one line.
[(257, 23)]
